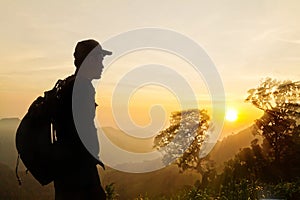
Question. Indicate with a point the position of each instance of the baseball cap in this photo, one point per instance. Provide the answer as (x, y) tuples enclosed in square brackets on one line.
[(83, 48)]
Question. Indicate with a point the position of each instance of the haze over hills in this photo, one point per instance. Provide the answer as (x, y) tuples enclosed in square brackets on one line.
[(127, 142), (8, 151), (222, 151), (30, 188), (128, 185), (162, 182), (230, 145)]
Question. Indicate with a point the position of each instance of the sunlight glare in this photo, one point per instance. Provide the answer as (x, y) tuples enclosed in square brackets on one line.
[(231, 115)]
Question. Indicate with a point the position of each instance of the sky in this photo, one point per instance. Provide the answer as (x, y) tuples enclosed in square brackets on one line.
[(246, 40)]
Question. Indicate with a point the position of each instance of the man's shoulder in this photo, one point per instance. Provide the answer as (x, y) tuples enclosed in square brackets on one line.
[(74, 82), (70, 79), (65, 86), (68, 82)]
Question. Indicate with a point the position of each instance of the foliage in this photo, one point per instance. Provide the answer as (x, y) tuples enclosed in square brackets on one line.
[(245, 189), (266, 169), (279, 126), (269, 169), (280, 96), (195, 193), (110, 192), (237, 189), (142, 197), (183, 139)]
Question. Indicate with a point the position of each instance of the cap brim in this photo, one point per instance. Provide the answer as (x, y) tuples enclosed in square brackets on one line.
[(106, 53)]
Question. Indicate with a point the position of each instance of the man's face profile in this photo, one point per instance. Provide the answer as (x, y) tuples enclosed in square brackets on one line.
[(92, 65)]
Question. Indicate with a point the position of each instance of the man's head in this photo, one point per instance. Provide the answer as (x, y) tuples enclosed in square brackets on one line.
[(89, 54)]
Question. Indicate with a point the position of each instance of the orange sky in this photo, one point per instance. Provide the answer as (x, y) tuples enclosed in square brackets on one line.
[(247, 41)]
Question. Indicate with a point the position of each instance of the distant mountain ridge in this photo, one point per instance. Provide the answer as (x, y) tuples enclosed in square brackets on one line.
[(230, 145), (30, 188), (128, 185), (127, 142), (10, 119), (8, 151), (162, 182), (222, 151), (10, 124)]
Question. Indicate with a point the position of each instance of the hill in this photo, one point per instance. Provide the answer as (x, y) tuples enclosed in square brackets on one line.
[(30, 188), (129, 143), (168, 180), (8, 152), (128, 185), (230, 145), (158, 183)]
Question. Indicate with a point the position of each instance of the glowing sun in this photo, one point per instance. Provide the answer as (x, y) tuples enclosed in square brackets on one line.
[(231, 115)]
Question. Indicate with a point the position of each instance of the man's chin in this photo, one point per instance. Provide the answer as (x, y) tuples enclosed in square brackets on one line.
[(96, 77)]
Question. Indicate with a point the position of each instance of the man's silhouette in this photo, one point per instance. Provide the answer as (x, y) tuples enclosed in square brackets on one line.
[(76, 172)]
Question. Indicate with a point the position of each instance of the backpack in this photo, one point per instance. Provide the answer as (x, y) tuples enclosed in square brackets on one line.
[(35, 136)]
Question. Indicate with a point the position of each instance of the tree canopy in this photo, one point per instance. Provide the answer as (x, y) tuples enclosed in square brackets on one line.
[(182, 140), (279, 126)]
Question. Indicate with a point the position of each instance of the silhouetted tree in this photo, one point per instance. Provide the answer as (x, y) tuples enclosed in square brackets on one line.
[(183, 140), (279, 126), (274, 162)]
